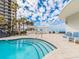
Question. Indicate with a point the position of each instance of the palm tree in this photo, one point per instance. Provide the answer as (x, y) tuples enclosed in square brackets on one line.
[(19, 24), (2, 21), (14, 6), (23, 22), (13, 23), (31, 23)]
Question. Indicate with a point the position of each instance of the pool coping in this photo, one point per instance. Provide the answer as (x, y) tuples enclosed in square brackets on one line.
[(26, 37), (65, 49)]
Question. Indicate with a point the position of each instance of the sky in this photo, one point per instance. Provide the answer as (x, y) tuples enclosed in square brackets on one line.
[(42, 12)]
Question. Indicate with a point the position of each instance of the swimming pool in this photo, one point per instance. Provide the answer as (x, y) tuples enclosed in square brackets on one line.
[(25, 48)]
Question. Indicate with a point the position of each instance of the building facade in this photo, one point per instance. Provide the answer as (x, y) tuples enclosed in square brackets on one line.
[(8, 10), (70, 14)]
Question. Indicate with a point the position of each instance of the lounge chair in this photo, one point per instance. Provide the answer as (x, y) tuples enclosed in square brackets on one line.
[(65, 35), (76, 37), (70, 36)]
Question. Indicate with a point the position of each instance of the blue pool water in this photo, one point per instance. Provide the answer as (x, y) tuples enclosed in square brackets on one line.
[(24, 48)]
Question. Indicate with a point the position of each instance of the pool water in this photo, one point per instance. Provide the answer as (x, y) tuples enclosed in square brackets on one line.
[(24, 48)]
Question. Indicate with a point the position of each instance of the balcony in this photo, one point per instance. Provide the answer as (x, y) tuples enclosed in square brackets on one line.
[(1, 2), (69, 9), (7, 17), (7, 14)]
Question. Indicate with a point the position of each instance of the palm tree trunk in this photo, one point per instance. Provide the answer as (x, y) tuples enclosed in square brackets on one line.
[(19, 28), (23, 26)]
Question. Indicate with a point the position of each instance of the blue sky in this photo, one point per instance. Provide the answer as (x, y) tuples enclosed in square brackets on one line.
[(42, 12)]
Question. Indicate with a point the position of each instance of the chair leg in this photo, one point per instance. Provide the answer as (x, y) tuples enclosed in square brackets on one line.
[(76, 41), (68, 39), (71, 39)]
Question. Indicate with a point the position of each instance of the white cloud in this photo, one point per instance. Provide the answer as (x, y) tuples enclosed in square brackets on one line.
[(51, 2), (34, 17), (19, 2), (41, 9), (32, 4), (44, 24), (56, 12)]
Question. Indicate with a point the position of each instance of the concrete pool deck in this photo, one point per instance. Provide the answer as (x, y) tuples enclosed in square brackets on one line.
[(65, 49)]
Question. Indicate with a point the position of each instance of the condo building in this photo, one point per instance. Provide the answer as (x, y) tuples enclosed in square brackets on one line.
[(8, 10)]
